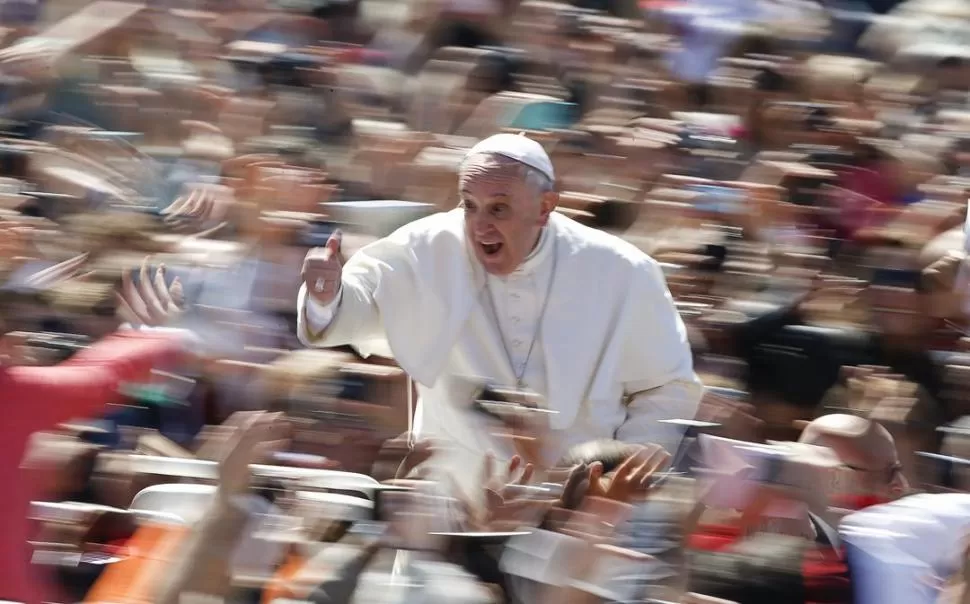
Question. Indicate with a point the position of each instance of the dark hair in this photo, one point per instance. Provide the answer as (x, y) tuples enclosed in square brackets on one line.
[(499, 70), (770, 79), (610, 453), (950, 156), (757, 44), (763, 569), (714, 256), (950, 62)]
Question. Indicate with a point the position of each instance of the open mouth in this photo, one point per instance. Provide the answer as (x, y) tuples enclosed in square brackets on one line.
[(491, 249)]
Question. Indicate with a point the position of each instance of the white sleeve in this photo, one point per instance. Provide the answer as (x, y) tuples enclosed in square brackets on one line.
[(678, 399), (319, 316)]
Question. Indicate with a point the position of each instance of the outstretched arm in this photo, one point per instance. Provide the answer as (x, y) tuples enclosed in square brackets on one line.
[(81, 386), (351, 318), (340, 309)]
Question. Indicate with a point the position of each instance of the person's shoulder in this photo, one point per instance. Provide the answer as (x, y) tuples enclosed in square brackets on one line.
[(601, 246), (930, 504), (437, 227)]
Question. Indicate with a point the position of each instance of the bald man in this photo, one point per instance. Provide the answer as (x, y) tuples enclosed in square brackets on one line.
[(868, 449)]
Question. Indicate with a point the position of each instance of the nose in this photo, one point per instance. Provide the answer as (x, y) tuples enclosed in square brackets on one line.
[(481, 225), (899, 485)]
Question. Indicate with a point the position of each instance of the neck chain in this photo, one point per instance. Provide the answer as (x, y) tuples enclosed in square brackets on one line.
[(520, 373)]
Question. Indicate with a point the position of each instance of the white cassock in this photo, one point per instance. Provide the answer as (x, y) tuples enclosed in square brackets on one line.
[(611, 355)]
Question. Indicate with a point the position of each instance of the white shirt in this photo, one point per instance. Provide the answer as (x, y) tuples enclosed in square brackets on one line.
[(903, 552)]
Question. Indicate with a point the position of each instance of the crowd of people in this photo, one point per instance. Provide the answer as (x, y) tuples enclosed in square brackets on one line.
[(485, 301)]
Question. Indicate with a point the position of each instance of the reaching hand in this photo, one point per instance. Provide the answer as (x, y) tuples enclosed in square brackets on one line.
[(504, 509), (632, 480), (201, 211), (737, 419), (247, 438), (323, 270), (421, 452), (515, 474), (59, 273), (29, 60), (942, 274), (596, 519), (153, 302)]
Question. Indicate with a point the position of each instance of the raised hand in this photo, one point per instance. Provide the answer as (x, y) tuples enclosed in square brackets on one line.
[(504, 508), (153, 302), (322, 271), (203, 207), (632, 480), (248, 438)]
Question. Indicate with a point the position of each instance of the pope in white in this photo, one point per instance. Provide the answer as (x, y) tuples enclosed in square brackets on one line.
[(506, 289)]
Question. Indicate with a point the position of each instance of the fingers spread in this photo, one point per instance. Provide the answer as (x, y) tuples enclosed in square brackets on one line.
[(161, 290), (132, 301)]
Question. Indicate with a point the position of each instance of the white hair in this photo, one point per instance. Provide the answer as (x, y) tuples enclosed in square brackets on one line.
[(536, 179)]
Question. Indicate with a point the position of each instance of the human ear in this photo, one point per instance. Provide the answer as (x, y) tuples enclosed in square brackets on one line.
[(548, 203)]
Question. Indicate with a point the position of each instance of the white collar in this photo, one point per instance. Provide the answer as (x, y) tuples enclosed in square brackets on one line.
[(538, 256)]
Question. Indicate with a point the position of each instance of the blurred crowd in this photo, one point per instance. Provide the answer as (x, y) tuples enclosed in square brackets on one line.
[(800, 169)]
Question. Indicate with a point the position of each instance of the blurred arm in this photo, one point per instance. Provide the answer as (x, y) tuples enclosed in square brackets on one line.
[(754, 331), (81, 386), (343, 582), (204, 567)]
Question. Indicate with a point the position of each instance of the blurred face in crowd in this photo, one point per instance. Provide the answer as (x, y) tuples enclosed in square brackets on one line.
[(872, 457), (506, 206)]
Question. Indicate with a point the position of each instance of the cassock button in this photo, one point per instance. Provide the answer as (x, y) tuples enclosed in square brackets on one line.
[(517, 343), (516, 320), (515, 296)]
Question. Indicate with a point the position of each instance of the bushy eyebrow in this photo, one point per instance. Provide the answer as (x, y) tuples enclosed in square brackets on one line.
[(502, 196)]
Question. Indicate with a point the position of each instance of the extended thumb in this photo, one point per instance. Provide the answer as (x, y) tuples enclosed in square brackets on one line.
[(333, 243)]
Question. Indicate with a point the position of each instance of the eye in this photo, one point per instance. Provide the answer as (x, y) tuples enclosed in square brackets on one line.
[(500, 210), (467, 206)]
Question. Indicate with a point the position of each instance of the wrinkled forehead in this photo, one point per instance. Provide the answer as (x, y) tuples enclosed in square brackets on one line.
[(488, 170)]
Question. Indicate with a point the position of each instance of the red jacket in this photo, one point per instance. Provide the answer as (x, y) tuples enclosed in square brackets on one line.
[(39, 398)]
